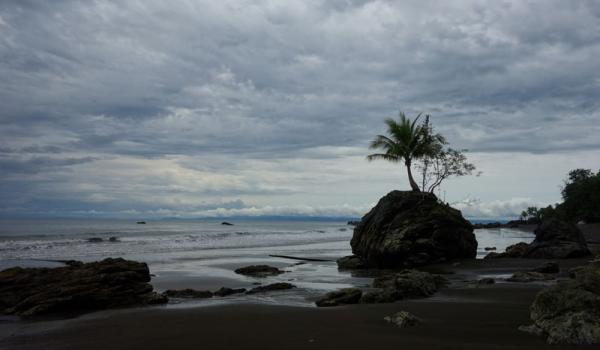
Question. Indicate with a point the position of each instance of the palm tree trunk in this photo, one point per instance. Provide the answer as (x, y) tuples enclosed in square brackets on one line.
[(411, 180)]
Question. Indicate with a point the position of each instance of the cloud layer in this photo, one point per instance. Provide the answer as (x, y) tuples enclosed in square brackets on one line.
[(189, 106)]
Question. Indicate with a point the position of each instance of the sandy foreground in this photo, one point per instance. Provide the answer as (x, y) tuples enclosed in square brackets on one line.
[(462, 316)]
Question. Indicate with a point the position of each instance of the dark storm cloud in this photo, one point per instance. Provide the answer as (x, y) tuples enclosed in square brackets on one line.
[(151, 79)]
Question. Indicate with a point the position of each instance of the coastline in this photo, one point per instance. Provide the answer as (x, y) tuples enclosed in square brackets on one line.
[(460, 316)]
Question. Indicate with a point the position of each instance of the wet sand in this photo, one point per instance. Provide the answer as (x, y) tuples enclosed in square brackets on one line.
[(461, 316)]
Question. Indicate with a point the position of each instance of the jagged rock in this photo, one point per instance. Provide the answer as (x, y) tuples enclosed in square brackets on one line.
[(271, 287), (555, 239), (486, 280), (512, 251), (259, 271), (340, 297), (223, 291), (403, 319), (411, 283), (550, 267), (388, 295), (530, 276), (188, 293), (569, 312), (412, 228), (351, 262), (76, 288)]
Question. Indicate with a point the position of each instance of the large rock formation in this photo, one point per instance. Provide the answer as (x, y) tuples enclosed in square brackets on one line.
[(411, 228), (76, 288), (555, 239), (569, 312)]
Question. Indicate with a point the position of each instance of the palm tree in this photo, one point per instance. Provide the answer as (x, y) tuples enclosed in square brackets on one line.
[(407, 141)]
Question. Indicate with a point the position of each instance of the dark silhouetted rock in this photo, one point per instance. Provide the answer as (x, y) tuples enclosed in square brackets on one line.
[(550, 267), (403, 319), (226, 223), (95, 240), (569, 312), (411, 283), (411, 228), (555, 239), (188, 293), (486, 280), (76, 288), (351, 262), (487, 249), (223, 292), (114, 239), (271, 287), (517, 250), (340, 297), (259, 271), (388, 295), (141, 222), (530, 276)]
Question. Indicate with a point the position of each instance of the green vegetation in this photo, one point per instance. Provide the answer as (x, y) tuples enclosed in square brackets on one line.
[(581, 200), (410, 142)]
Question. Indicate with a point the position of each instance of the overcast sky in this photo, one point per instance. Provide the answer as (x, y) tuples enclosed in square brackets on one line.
[(218, 108)]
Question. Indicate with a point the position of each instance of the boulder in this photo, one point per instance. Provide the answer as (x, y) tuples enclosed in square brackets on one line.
[(388, 295), (225, 223), (403, 319), (411, 284), (271, 287), (188, 293), (223, 291), (550, 267), (351, 262), (486, 280), (555, 239), (517, 250), (76, 288), (569, 312), (340, 297), (409, 228), (259, 271), (530, 276)]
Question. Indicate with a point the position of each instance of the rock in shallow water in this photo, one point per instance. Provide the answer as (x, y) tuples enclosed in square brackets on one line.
[(530, 276), (412, 228), (411, 283), (76, 288), (271, 287), (340, 297), (224, 291), (188, 293), (259, 271), (569, 312)]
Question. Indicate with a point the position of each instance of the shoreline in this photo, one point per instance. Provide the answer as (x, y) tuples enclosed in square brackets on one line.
[(463, 315)]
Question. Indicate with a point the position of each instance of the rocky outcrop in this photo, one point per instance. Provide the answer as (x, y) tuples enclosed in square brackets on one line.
[(188, 293), (271, 287), (555, 239), (410, 284), (550, 267), (340, 297), (412, 228), (403, 319), (224, 291), (530, 276), (259, 271), (351, 262), (512, 251), (76, 288), (569, 312)]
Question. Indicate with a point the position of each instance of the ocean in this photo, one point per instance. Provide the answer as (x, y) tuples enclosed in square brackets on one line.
[(202, 254)]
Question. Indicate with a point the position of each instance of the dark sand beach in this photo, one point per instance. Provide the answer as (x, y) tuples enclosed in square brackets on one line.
[(460, 316)]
